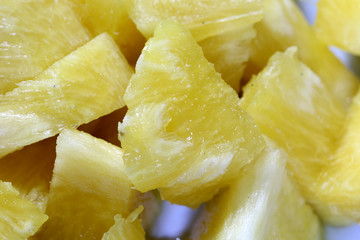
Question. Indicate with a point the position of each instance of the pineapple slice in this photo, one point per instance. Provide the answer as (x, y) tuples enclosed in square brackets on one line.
[(337, 24), (340, 181), (224, 29), (184, 131), (30, 170), (284, 26), (129, 228), (88, 188), (263, 203), (81, 87), (19, 218), (292, 106), (111, 16), (33, 35)]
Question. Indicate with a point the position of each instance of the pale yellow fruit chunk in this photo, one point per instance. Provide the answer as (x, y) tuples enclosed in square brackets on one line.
[(129, 228), (337, 24), (19, 218), (284, 26), (224, 29), (111, 16), (292, 106), (33, 35), (184, 132), (89, 187), (263, 203), (79, 88)]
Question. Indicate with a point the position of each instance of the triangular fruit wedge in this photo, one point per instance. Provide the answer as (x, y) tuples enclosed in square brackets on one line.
[(284, 26), (89, 187), (337, 24), (184, 131), (292, 106), (263, 203), (83, 86), (223, 28), (19, 218), (33, 35), (112, 17), (126, 228)]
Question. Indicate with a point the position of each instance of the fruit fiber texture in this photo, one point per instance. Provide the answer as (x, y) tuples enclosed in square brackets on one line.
[(184, 132), (33, 35), (81, 87)]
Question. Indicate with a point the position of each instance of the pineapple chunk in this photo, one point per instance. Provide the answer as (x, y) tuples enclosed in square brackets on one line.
[(81, 87), (184, 132), (33, 35), (263, 203), (292, 106), (111, 16), (224, 29), (88, 188), (337, 24), (129, 228), (19, 218), (284, 26)]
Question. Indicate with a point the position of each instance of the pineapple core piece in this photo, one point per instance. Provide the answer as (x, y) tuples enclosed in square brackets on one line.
[(19, 218), (184, 132), (263, 203), (79, 88), (89, 187), (292, 106), (33, 35)]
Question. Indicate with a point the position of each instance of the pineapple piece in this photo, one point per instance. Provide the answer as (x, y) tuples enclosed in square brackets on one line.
[(30, 170), (340, 180), (33, 35), (184, 132), (19, 218), (292, 106), (284, 26), (81, 87), (224, 29), (111, 16), (129, 228), (261, 204), (337, 24), (89, 187)]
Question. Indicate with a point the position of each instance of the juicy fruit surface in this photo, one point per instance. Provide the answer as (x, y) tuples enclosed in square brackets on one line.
[(184, 128), (337, 24), (292, 106), (81, 87), (129, 228), (88, 188), (19, 218), (111, 16), (340, 180), (284, 26), (33, 35), (261, 204)]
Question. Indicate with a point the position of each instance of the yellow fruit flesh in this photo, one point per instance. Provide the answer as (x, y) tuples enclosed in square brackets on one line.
[(129, 228), (19, 218), (33, 35), (263, 203), (30, 170), (292, 106), (81, 87), (184, 129), (284, 26), (337, 24), (88, 188), (340, 180), (111, 16)]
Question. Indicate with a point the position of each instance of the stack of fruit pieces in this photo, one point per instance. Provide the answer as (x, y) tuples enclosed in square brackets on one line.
[(286, 149)]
